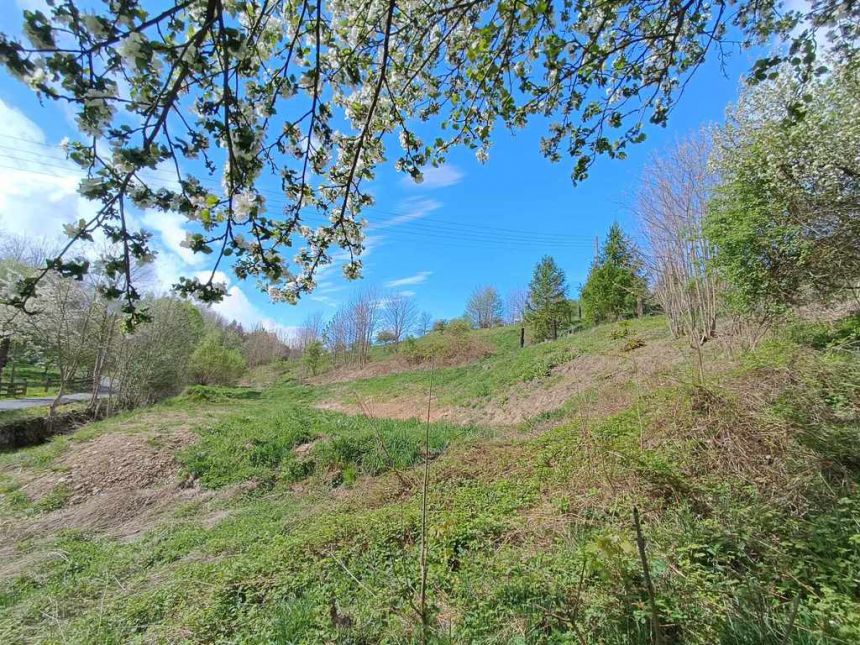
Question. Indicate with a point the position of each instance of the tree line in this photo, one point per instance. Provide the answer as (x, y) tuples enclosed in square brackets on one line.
[(742, 223), (75, 334)]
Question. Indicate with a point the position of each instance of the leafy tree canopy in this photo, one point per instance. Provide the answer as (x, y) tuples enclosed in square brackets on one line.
[(304, 93), (484, 307), (212, 363)]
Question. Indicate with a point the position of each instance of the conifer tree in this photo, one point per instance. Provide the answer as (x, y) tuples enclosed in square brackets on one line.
[(615, 288), (547, 309)]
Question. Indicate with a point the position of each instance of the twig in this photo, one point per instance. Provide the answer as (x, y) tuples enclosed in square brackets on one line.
[(350, 574), (792, 617), (424, 488), (656, 632)]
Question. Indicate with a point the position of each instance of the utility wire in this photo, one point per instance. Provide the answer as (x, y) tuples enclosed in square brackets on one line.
[(453, 232)]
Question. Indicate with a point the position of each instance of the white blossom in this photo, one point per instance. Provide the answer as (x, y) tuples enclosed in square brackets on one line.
[(243, 203), (37, 78)]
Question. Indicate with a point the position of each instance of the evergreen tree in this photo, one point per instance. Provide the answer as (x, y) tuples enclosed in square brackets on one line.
[(547, 309), (615, 288)]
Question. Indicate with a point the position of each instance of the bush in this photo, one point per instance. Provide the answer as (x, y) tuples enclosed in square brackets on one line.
[(214, 364), (313, 357), (455, 344), (621, 331), (153, 362), (841, 334)]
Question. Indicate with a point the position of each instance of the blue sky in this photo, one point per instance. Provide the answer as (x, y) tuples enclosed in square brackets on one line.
[(467, 225)]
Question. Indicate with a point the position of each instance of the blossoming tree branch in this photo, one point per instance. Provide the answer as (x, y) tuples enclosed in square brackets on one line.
[(305, 93)]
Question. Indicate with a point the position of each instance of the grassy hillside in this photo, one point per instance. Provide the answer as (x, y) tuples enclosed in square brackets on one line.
[(242, 515)]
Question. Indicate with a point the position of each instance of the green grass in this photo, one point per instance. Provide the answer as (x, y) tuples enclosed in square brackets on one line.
[(261, 444), (502, 372), (748, 490), (12, 417), (33, 375)]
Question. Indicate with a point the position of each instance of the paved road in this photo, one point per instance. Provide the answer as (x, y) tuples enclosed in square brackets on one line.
[(37, 401)]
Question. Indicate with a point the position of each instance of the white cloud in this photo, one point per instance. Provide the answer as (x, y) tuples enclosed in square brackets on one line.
[(38, 187), (418, 278), (219, 277), (407, 293), (444, 175), (411, 210), (237, 306), (325, 300), (170, 227)]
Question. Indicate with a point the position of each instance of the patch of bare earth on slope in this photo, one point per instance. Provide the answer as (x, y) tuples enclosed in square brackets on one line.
[(116, 484), (400, 408), (602, 377)]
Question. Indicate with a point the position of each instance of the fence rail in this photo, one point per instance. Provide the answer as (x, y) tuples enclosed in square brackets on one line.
[(13, 389), (22, 388)]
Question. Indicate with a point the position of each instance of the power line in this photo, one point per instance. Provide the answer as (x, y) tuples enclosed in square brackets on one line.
[(452, 232), (277, 196)]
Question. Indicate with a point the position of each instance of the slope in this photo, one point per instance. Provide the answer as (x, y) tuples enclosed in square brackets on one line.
[(281, 522)]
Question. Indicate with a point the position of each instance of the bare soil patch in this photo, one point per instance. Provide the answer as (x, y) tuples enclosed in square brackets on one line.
[(117, 484), (603, 375), (113, 461)]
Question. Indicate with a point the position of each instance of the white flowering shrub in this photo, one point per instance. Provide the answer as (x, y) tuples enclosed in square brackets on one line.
[(786, 217), (306, 91)]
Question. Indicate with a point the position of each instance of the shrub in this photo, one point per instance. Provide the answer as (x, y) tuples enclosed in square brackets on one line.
[(455, 344), (632, 343), (153, 362), (621, 331), (214, 364), (313, 357)]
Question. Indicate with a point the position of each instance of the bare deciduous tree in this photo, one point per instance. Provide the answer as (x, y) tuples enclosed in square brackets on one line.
[(425, 323), (399, 315), (349, 334), (515, 305), (262, 346), (484, 308), (311, 331), (671, 204)]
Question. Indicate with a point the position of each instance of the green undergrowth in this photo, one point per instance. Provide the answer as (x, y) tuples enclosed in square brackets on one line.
[(285, 440), (505, 370), (747, 489)]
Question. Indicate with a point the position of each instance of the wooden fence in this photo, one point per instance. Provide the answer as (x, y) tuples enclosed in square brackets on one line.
[(22, 388)]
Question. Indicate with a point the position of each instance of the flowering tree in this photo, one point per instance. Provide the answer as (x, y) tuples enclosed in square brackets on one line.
[(786, 216), (303, 93)]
